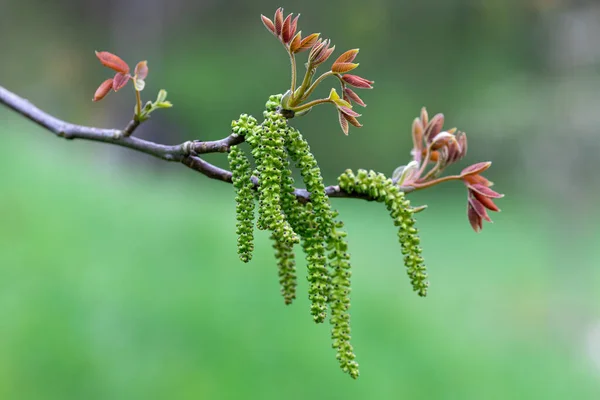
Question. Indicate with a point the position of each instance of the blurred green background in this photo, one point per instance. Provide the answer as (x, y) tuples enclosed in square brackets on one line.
[(119, 277)]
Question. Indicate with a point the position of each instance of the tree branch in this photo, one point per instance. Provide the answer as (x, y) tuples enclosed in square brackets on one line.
[(186, 153)]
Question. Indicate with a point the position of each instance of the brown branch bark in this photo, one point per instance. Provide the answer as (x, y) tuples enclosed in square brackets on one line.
[(185, 153)]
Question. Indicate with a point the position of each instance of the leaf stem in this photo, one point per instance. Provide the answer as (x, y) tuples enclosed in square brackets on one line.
[(425, 185), (310, 104), (293, 63), (138, 99), (315, 84)]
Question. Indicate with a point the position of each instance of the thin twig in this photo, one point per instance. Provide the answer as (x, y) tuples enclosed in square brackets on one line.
[(186, 153)]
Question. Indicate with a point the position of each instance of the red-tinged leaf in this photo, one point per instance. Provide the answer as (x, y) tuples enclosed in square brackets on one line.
[(442, 139), (474, 219), (462, 141), (325, 54), (453, 152), (308, 42), (141, 70), (113, 62), (476, 179), (348, 111), (424, 116), (354, 97), (278, 21), (103, 90), (352, 120), (417, 133), (475, 169), (486, 201), (119, 81), (294, 25), (341, 68), (296, 42), (343, 123), (434, 127), (479, 208), (357, 81), (316, 49), (347, 57), (268, 24), (286, 29), (485, 191)]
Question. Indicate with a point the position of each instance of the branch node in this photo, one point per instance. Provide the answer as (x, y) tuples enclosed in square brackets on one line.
[(134, 123), (188, 148)]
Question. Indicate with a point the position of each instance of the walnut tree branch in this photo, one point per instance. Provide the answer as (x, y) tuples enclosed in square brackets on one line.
[(186, 153)]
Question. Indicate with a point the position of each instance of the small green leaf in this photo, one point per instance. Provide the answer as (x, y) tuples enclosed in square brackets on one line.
[(139, 84), (285, 99), (401, 173), (162, 96), (164, 104)]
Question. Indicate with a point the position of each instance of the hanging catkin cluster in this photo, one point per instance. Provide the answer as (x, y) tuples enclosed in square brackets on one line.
[(274, 146), (382, 189)]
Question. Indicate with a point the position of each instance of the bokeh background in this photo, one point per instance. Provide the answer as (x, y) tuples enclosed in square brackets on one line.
[(119, 277)]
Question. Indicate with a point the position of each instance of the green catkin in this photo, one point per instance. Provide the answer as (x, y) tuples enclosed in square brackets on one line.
[(299, 151), (241, 176), (382, 189), (340, 300), (244, 125), (267, 142), (284, 253), (318, 224)]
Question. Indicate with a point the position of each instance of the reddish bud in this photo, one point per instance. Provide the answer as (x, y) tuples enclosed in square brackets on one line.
[(349, 94), (479, 208), (476, 179), (348, 111), (353, 121), (286, 33), (434, 127), (268, 24), (343, 122), (462, 141), (347, 57), (325, 54), (442, 139), (119, 81), (296, 42), (308, 42), (486, 201), (475, 169), (278, 21), (485, 191), (316, 49), (357, 81), (294, 25), (424, 116), (103, 90), (417, 134), (474, 218), (341, 68), (141, 70), (113, 62)]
